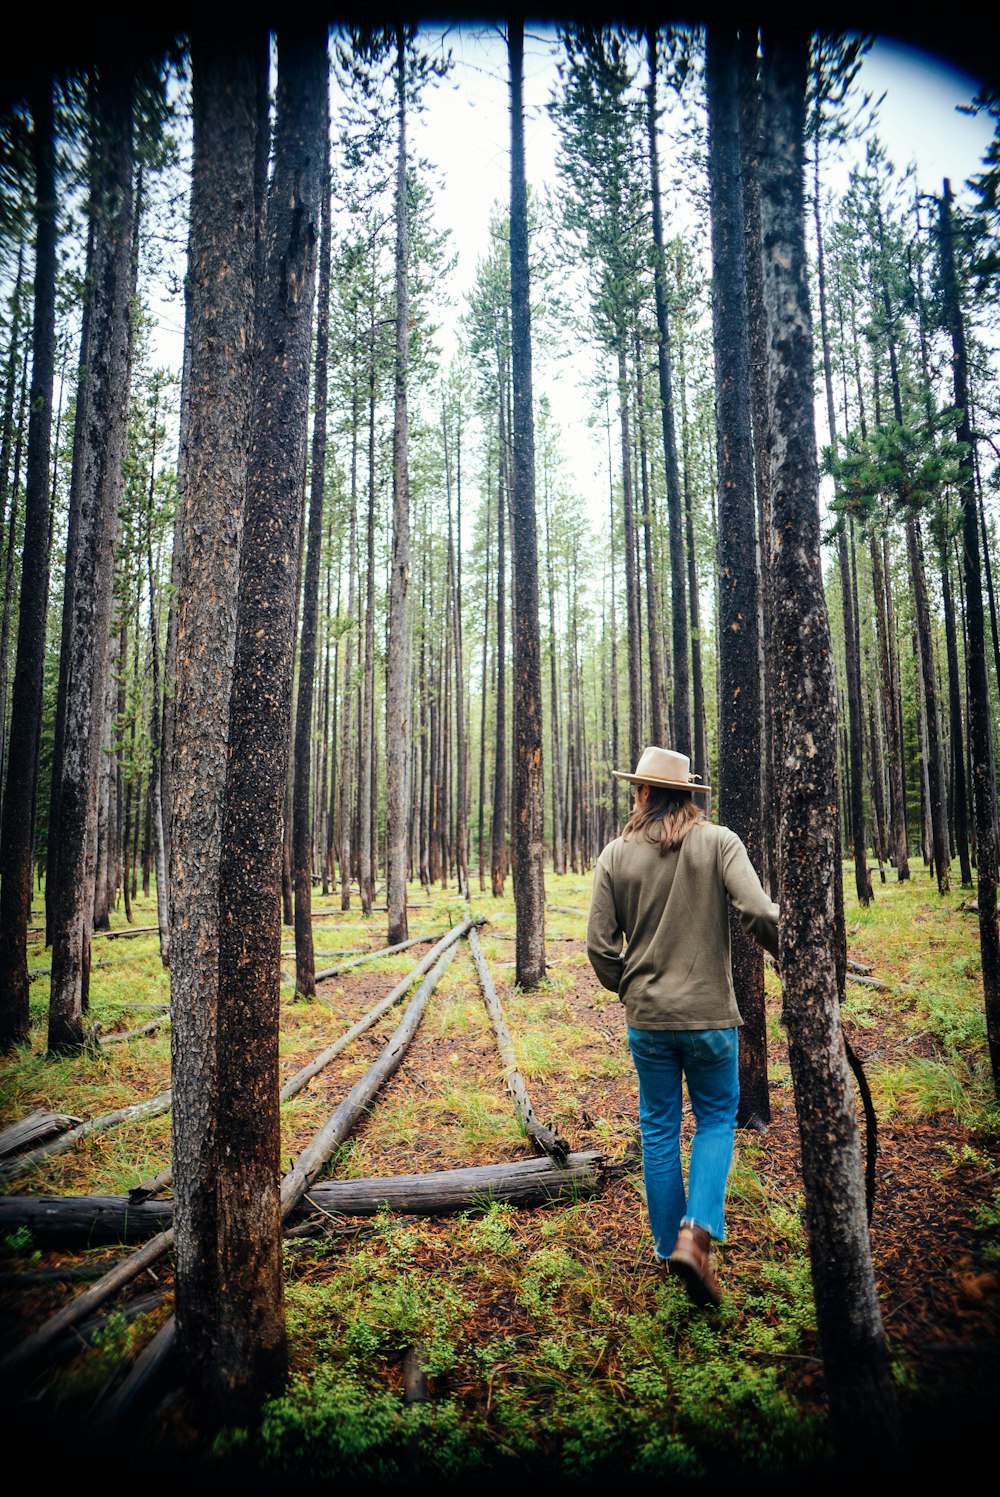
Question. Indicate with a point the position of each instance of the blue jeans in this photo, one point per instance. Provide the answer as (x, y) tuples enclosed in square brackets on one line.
[(709, 1058)]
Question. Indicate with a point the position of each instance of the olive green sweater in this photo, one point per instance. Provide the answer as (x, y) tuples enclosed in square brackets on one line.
[(672, 911)]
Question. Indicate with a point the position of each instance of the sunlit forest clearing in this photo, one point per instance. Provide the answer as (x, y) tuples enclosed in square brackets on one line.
[(404, 432)]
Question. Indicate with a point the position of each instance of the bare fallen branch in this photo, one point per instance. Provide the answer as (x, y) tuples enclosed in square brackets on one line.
[(25, 1162), (32, 1129), (67, 1221), (556, 1147)]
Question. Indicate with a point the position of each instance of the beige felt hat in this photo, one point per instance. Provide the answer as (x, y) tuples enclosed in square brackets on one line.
[(660, 766)]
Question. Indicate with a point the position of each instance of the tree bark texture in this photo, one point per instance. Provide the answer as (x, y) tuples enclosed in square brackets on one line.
[(305, 962), (750, 147), (850, 1325), (925, 652), (102, 411), (250, 1346), (980, 732), (528, 829), (220, 323), (682, 738), (26, 698), (397, 672), (740, 748)]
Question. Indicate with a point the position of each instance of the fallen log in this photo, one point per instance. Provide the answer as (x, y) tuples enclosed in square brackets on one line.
[(369, 956), (499, 935), (309, 1163), (855, 966), (148, 1365), (868, 982), (32, 1130), (25, 1162), (154, 1186), (84, 1304), (47, 971), (133, 1034), (302, 1077), (124, 935), (73, 1221), (549, 1141), (153, 1358)]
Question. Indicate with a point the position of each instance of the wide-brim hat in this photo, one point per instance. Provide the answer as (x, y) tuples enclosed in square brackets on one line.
[(660, 766)]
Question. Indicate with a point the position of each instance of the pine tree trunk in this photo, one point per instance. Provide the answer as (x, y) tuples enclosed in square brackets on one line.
[(528, 821), (21, 780), (740, 748), (675, 517), (960, 801), (16, 390), (498, 844), (897, 782), (102, 412), (69, 583), (251, 1353), (850, 1327), (984, 798), (461, 735), (397, 674), (216, 434), (750, 149), (634, 626), (558, 823), (483, 679), (366, 779), (305, 963), (935, 778)]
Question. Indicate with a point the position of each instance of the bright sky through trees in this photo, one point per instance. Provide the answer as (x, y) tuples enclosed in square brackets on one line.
[(463, 132)]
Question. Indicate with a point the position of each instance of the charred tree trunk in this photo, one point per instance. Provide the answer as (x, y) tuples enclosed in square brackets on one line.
[(894, 745), (750, 149), (498, 843), (366, 779), (305, 962), (925, 652), (397, 674), (960, 798), (849, 1321), (983, 779), (675, 517), (248, 1318), (101, 410), (634, 634), (739, 640), (19, 790), (220, 325), (528, 820)]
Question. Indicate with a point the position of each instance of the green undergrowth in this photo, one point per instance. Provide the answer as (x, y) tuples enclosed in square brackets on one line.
[(550, 1347)]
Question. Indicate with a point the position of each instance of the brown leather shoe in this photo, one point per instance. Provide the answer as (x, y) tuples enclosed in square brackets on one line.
[(691, 1261)]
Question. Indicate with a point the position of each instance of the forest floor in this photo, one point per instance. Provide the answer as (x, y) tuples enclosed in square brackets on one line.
[(552, 1348)]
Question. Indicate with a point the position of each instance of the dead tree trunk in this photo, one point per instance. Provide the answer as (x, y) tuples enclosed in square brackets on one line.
[(528, 820), (305, 962), (740, 748), (19, 791), (101, 411), (675, 517), (397, 673), (247, 1316), (220, 322), (983, 779)]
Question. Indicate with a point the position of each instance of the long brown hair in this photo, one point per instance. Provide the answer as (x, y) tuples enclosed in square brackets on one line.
[(666, 817)]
